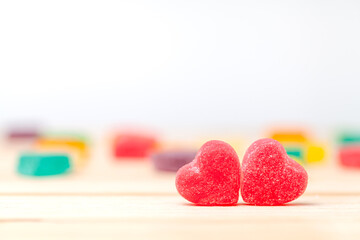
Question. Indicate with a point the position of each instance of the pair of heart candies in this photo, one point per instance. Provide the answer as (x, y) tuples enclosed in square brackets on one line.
[(268, 176)]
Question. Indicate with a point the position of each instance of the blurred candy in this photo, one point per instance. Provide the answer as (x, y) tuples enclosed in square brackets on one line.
[(66, 135), (349, 156), (213, 178), (172, 160), (270, 176), (133, 146), (315, 153), (22, 134), (289, 136), (43, 164), (296, 153), (349, 138), (72, 146), (349, 149), (299, 147)]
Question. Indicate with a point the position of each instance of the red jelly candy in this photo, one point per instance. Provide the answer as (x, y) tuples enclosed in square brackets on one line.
[(133, 146), (349, 156), (270, 176), (213, 177)]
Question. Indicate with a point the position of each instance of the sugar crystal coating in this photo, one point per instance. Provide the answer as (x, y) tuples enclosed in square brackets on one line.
[(213, 177), (270, 176)]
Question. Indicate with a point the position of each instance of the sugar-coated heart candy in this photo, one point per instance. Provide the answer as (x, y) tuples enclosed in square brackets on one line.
[(270, 176), (213, 177), (172, 160)]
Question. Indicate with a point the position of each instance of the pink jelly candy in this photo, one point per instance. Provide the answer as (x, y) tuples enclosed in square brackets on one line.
[(133, 146), (213, 177), (270, 176), (349, 156)]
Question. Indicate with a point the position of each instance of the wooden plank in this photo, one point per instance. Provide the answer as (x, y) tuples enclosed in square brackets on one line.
[(164, 217), (129, 199), (327, 230), (171, 207), (140, 178)]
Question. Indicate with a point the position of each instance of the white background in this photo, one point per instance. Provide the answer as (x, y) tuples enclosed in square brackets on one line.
[(180, 64)]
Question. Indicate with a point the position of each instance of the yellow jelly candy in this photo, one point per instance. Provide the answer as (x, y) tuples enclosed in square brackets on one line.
[(315, 153), (295, 136)]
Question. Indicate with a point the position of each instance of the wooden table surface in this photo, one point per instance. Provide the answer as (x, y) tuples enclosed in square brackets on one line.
[(130, 200)]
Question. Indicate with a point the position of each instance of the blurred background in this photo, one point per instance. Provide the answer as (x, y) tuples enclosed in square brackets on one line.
[(180, 66), (88, 88)]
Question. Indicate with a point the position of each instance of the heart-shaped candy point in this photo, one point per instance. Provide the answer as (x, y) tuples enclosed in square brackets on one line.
[(270, 176), (213, 177)]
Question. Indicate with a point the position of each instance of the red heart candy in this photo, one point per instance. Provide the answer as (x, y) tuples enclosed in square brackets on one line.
[(270, 176), (213, 177)]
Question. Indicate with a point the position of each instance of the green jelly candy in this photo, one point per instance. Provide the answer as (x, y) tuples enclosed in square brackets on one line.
[(296, 153), (40, 164)]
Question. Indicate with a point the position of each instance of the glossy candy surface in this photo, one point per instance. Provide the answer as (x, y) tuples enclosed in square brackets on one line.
[(43, 164), (172, 160), (270, 176), (213, 177)]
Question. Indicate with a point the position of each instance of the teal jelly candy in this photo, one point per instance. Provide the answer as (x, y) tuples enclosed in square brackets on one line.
[(349, 138), (43, 164), (296, 153)]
